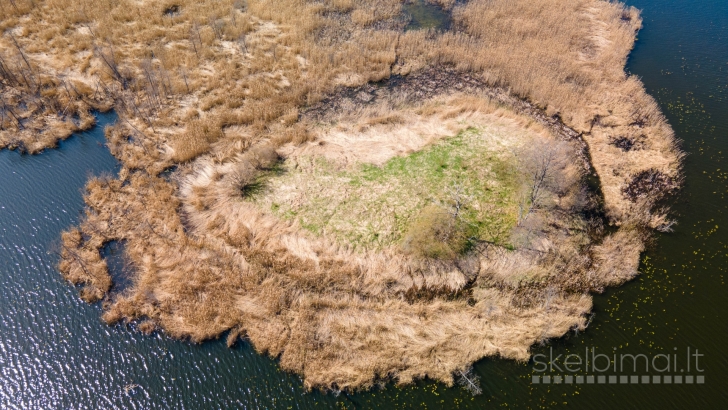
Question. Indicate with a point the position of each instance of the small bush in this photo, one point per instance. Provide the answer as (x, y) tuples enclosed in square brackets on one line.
[(244, 175), (263, 156), (436, 234)]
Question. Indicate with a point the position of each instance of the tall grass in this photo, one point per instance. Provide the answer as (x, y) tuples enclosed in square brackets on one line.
[(198, 84)]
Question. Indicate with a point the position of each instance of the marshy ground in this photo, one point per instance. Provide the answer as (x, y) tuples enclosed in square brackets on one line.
[(362, 197), (372, 206)]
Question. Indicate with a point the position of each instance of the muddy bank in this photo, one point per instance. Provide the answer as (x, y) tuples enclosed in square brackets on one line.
[(428, 83)]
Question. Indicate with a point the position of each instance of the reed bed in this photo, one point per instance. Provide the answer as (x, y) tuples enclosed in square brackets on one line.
[(214, 88)]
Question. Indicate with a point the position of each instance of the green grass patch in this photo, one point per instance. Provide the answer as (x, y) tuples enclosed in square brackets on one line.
[(376, 206)]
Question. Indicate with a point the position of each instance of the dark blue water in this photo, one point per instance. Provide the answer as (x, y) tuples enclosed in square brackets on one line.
[(424, 15), (55, 353)]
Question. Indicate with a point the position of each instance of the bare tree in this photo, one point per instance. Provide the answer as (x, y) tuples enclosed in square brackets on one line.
[(30, 78), (154, 89), (193, 40), (108, 57), (166, 81), (458, 200), (6, 108), (543, 162), (217, 25), (183, 74), (6, 73), (469, 381), (84, 22), (196, 38), (243, 44)]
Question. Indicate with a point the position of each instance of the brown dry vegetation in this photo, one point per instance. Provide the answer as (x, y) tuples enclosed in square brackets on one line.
[(205, 84)]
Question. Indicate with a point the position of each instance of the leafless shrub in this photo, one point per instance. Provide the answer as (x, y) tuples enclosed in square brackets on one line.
[(469, 381), (666, 227), (108, 57), (263, 156), (243, 174), (543, 164)]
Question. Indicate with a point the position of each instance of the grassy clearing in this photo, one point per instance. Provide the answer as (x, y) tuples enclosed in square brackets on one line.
[(373, 206)]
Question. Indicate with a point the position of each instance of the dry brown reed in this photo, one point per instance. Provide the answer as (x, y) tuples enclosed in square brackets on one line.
[(198, 84)]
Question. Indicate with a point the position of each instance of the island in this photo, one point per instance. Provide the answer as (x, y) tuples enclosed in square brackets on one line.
[(365, 196)]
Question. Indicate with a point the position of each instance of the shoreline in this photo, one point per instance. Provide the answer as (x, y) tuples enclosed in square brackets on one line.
[(293, 295)]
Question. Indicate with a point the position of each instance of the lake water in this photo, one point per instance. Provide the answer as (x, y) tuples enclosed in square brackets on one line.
[(424, 15), (56, 353)]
